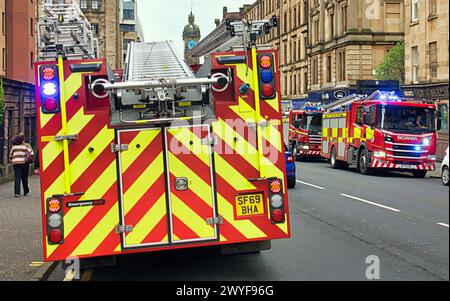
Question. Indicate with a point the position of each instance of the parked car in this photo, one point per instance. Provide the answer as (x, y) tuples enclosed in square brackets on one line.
[(291, 169), (444, 169)]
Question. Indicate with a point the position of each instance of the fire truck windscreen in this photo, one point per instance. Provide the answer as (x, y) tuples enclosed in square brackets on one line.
[(313, 122), (403, 119)]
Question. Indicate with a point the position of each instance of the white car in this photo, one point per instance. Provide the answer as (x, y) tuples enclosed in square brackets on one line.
[(444, 169)]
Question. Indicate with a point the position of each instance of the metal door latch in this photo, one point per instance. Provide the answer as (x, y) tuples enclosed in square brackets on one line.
[(67, 137), (212, 141), (215, 220), (123, 229), (118, 148)]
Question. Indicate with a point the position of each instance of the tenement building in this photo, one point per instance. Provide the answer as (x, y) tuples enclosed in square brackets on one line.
[(426, 47), (327, 46)]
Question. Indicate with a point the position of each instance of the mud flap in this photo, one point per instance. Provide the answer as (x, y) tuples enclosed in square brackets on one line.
[(246, 248)]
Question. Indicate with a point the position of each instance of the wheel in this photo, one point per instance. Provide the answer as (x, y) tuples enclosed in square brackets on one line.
[(292, 183), (364, 162), (333, 160), (445, 175), (420, 174), (335, 163)]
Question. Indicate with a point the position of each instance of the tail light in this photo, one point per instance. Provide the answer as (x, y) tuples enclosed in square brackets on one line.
[(276, 199), (55, 226), (49, 89), (267, 82)]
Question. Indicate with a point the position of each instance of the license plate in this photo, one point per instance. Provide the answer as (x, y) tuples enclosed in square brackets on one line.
[(249, 204), (403, 166)]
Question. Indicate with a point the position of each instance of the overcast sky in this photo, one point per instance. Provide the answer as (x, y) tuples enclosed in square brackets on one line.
[(165, 19)]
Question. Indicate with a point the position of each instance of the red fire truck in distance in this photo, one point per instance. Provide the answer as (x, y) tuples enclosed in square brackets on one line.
[(381, 132), (305, 132)]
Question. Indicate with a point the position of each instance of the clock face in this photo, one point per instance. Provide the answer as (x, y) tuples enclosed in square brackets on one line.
[(192, 44)]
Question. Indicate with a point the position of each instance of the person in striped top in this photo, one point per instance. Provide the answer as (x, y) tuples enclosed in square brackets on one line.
[(21, 156)]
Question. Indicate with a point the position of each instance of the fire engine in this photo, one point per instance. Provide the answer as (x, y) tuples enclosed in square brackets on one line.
[(305, 131), (380, 131), (161, 159)]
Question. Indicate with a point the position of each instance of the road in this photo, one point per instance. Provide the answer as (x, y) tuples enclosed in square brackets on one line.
[(339, 218)]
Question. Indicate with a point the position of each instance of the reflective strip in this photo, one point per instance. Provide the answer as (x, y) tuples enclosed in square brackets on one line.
[(148, 223), (191, 219)]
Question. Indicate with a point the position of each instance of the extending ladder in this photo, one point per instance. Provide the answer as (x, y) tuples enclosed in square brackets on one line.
[(63, 28)]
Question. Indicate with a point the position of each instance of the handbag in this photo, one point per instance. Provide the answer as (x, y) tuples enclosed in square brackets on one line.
[(28, 158)]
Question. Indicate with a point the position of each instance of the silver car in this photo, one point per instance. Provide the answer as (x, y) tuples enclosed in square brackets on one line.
[(444, 169)]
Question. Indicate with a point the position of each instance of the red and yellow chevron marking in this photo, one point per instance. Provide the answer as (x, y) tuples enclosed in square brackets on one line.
[(144, 202), (189, 157)]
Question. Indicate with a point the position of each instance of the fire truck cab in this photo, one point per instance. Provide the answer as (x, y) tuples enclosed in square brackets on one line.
[(381, 132), (305, 132)]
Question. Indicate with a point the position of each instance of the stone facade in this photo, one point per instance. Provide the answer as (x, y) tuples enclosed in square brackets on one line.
[(191, 37), (427, 57), (329, 45)]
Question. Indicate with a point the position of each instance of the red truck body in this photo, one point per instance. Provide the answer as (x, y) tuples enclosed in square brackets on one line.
[(382, 135)]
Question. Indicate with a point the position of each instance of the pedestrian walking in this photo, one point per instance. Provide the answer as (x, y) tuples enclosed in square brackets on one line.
[(21, 156)]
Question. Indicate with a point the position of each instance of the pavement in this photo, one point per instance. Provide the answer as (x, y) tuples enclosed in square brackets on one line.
[(20, 233)]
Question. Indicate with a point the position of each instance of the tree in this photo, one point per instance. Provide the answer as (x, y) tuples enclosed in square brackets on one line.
[(392, 66)]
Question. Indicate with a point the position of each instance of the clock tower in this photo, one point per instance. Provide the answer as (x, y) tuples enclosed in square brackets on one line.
[(191, 36)]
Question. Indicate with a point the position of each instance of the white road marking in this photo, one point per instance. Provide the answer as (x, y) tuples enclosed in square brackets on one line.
[(369, 202), (312, 185), (442, 224)]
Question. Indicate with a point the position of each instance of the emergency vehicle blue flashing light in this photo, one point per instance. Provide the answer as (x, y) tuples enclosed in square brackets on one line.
[(267, 76)]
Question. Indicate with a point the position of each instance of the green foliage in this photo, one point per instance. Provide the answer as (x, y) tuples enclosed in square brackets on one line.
[(392, 66), (2, 102)]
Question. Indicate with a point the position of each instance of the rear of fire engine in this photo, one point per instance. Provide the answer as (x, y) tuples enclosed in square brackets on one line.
[(160, 160), (305, 132), (381, 132)]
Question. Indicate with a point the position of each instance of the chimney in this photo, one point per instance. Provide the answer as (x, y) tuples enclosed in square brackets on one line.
[(225, 12)]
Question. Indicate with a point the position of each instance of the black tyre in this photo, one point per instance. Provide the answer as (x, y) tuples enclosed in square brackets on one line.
[(363, 162), (445, 175), (333, 161), (420, 174), (292, 183)]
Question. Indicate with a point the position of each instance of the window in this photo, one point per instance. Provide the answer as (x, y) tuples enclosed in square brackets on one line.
[(95, 5), (414, 10), (31, 26), (329, 69), (369, 117), (415, 64), (433, 60), (341, 66), (331, 25), (359, 115), (433, 10), (443, 109), (31, 59), (83, 4)]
